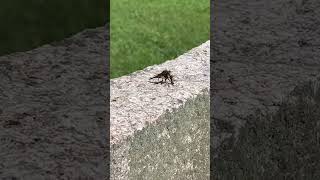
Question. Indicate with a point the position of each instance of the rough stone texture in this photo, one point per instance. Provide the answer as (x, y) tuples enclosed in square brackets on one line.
[(53, 110), (141, 110), (177, 147), (280, 145), (261, 50)]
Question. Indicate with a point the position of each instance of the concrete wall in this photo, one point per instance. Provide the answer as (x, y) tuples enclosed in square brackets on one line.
[(53, 110), (261, 52), (161, 131), (53, 114)]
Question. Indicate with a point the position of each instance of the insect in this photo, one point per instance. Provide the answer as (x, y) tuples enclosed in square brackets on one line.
[(164, 75)]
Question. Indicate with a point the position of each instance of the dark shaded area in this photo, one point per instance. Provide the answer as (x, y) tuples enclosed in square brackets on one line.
[(29, 24), (260, 52), (54, 110), (284, 145)]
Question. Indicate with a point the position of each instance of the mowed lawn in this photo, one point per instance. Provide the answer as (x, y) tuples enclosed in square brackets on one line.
[(30, 24), (147, 32)]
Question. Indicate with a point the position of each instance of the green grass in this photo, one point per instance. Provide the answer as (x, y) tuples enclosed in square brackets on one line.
[(29, 24), (147, 32)]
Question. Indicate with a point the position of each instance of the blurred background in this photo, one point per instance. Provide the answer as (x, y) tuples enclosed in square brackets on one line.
[(29, 24), (143, 32), (147, 32)]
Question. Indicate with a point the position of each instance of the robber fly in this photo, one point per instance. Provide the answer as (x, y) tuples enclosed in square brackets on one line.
[(164, 75)]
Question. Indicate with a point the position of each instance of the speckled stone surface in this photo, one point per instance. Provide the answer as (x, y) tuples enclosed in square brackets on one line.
[(53, 110), (136, 101), (260, 50), (137, 104)]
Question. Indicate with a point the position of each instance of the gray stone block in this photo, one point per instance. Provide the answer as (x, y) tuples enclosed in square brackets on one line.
[(161, 131)]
